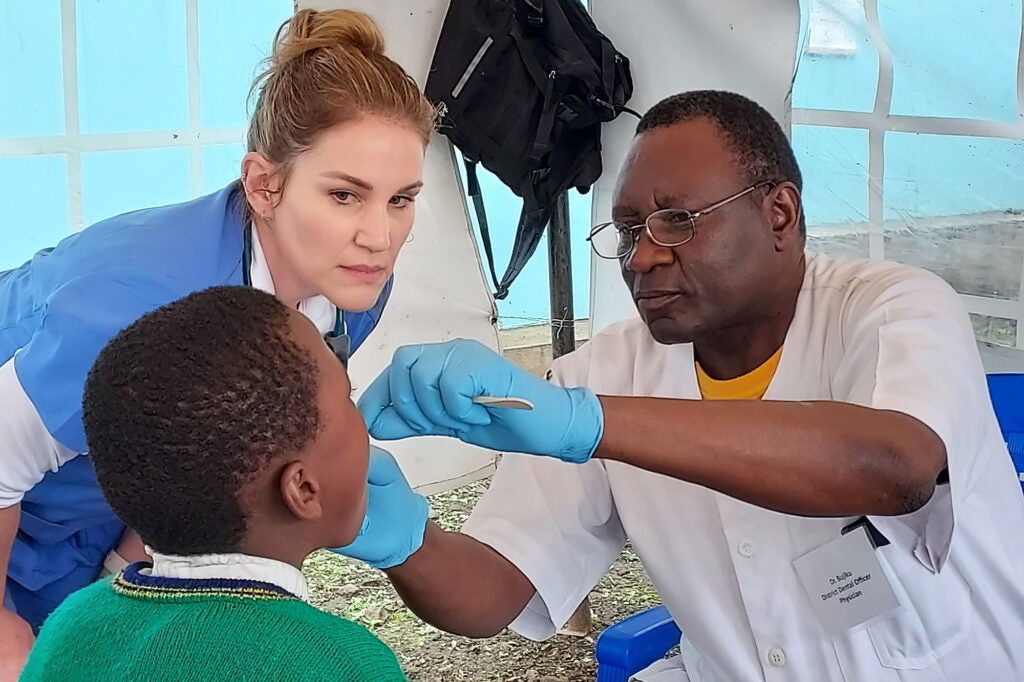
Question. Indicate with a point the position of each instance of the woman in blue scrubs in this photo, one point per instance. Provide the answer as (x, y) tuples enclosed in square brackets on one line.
[(324, 204)]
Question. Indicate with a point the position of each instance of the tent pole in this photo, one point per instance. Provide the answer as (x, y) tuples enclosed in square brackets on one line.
[(563, 339), (563, 328)]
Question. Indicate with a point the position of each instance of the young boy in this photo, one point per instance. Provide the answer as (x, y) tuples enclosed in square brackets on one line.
[(222, 431)]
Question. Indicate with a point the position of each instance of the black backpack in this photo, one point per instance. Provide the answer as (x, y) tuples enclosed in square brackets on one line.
[(522, 87)]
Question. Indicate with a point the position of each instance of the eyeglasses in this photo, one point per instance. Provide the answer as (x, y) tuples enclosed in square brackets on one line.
[(668, 227)]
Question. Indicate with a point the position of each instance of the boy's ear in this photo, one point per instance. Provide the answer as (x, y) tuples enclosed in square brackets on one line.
[(300, 492)]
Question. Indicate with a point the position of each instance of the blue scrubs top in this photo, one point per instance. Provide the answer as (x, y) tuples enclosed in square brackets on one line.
[(57, 311)]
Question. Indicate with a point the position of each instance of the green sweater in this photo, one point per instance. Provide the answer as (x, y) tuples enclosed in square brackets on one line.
[(139, 627)]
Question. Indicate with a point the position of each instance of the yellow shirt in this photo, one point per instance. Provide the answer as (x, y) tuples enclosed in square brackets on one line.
[(750, 386)]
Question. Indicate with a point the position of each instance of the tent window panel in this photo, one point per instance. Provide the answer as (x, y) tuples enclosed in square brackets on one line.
[(31, 81), (131, 66), (949, 62), (977, 257), (840, 242), (130, 100), (234, 38), (948, 175), (36, 215), (837, 63), (1001, 331), (834, 164), (952, 206), (117, 182), (221, 165)]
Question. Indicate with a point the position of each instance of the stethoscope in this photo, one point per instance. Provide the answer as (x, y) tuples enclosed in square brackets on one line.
[(337, 338)]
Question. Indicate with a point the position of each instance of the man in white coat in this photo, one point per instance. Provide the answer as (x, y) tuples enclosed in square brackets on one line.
[(800, 449)]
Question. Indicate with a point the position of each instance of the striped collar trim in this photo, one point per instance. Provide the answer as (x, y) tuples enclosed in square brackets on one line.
[(133, 582)]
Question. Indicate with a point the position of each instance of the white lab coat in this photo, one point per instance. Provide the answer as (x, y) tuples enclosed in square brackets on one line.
[(882, 335)]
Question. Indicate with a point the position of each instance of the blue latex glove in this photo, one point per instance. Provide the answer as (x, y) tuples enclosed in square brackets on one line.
[(396, 517), (428, 390)]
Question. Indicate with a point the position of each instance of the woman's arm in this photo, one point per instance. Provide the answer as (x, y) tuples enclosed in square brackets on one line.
[(16, 637)]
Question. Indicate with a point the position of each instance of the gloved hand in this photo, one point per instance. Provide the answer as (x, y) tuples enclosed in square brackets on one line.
[(428, 390), (396, 517)]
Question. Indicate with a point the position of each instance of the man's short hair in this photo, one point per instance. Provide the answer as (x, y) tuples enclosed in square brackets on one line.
[(187, 404), (761, 147)]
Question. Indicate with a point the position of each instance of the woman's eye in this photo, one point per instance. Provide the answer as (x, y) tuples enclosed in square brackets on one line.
[(343, 197), (401, 201)]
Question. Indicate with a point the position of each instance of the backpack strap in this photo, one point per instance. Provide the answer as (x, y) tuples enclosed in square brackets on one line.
[(547, 83), (537, 72), (533, 220), (608, 57), (531, 13), (473, 190), (542, 141)]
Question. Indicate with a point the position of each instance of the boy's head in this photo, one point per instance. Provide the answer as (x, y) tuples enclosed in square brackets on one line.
[(222, 422)]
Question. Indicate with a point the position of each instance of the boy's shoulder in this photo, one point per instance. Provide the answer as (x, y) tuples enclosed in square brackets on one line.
[(345, 648), (277, 638)]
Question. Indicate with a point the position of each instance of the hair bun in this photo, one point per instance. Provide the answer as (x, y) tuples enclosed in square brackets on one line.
[(311, 30)]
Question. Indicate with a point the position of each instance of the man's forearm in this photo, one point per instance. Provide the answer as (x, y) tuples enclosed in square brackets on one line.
[(805, 458), (461, 585)]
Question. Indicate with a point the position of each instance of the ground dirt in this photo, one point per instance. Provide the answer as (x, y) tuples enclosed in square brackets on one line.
[(355, 591)]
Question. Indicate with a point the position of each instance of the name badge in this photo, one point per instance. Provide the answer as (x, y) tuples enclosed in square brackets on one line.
[(846, 583)]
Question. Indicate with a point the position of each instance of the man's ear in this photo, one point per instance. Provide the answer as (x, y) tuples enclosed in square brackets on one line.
[(260, 183), (300, 492), (784, 213)]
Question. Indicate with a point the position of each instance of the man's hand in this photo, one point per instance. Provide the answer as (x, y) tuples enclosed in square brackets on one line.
[(16, 641), (429, 390), (395, 516)]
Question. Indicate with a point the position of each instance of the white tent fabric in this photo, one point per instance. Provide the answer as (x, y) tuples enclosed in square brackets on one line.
[(440, 292), (747, 46)]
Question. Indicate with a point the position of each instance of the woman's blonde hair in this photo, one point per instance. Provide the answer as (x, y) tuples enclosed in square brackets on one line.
[(327, 68)]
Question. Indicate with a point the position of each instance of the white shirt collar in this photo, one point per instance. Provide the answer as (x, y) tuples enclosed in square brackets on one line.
[(230, 566), (318, 309)]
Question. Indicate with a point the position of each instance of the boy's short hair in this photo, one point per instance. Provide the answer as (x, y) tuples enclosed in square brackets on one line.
[(187, 404)]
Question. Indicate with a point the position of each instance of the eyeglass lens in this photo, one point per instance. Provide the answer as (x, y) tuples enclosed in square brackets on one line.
[(669, 227)]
